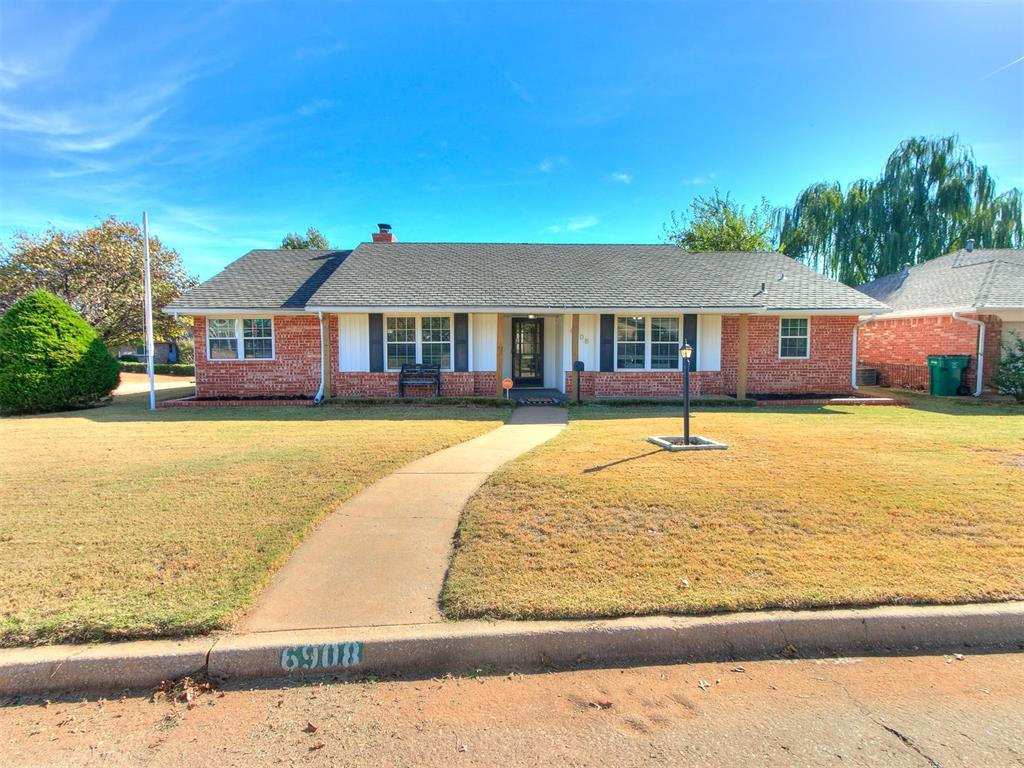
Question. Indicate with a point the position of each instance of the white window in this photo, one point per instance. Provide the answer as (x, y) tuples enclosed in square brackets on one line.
[(794, 337), (647, 343), (239, 338), (401, 341), (630, 343), (665, 338), (415, 339), (436, 338)]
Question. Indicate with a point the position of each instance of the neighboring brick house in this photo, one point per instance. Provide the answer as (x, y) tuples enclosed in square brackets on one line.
[(964, 303), (287, 323)]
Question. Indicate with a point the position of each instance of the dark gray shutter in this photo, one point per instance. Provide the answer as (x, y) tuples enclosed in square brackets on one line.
[(461, 341), (690, 334), (607, 342), (376, 342)]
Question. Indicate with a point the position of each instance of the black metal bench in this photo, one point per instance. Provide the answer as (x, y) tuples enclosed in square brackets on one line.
[(419, 375)]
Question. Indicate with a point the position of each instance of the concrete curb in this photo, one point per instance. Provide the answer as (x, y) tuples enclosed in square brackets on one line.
[(106, 666), (460, 647)]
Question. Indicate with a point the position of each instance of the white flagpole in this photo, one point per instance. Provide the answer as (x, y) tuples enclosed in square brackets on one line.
[(149, 312)]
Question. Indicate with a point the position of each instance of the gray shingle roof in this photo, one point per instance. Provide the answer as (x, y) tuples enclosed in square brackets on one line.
[(499, 275), (272, 279), (496, 275), (984, 278)]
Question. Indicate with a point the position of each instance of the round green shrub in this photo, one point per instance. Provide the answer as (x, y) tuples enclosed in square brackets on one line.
[(51, 359)]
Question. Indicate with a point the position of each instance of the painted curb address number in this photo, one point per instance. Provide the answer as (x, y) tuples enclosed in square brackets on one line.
[(324, 656)]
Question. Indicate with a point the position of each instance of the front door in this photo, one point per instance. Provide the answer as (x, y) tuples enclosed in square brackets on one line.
[(528, 351)]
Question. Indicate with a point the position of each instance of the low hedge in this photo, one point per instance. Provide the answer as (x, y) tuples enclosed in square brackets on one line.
[(497, 402), (695, 402), (164, 369)]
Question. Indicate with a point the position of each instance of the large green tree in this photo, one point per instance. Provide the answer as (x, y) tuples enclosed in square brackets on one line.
[(98, 272), (314, 239), (930, 198), (716, 223)]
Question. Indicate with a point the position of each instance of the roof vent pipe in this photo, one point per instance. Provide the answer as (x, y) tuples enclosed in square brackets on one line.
[(970, 245)]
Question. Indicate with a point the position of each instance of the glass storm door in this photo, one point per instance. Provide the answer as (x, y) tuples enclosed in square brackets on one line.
[(528, 351)]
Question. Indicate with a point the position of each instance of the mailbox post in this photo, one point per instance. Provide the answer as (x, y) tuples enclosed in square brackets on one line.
[(577, 368)]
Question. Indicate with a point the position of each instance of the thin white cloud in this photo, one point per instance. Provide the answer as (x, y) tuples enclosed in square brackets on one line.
[(517, 88), (548, 164), (323, 51), (312, 107), (574, 224), (95, 125), (24, 60), (622, 177), (697, 181), (1004, 67)]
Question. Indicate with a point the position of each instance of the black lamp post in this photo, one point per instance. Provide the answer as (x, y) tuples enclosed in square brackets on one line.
[(684, 352)]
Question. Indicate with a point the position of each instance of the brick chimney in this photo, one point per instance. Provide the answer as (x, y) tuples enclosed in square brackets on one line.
[(383, 235)]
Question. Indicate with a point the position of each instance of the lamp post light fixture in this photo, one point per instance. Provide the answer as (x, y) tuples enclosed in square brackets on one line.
[(685, 352), (687, 443)]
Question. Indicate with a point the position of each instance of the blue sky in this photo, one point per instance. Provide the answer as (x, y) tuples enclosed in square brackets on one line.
[(235, 123)]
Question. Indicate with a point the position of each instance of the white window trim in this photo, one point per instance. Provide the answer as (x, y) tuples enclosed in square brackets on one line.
[(240, 344), (419, 337), (795, 357), (647, 344)]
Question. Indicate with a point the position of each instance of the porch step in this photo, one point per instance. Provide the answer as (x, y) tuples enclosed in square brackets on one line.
[(537, 397)]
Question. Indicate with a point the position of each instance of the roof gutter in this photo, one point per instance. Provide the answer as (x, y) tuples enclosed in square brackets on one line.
[(233, 312), (537, 310), (320, 392), (981, 349), (853, 350)]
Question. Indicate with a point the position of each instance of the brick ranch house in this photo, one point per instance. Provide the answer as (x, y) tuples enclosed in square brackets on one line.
[(293, 323), (964, 303)]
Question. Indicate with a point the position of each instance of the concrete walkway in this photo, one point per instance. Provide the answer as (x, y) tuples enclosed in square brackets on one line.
[(380, 559)]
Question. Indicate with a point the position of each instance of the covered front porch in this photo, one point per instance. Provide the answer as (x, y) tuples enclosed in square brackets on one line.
[(631, 353)]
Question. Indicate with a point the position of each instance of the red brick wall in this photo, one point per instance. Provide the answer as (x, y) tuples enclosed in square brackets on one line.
[(453, 384), (642, 383), (294, 371), (826, 371), (899, 348)]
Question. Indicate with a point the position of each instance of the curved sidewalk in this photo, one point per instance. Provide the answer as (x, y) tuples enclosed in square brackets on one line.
[(381, 557)]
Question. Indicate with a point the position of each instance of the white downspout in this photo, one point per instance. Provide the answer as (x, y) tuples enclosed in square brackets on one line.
[(853, 351), (320, 392), (981, 349)]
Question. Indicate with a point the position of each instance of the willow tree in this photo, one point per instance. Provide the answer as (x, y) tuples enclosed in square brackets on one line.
[(930, 199)]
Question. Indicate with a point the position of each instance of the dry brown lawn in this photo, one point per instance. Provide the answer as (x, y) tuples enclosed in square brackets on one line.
[(116, 522), (808, 507)]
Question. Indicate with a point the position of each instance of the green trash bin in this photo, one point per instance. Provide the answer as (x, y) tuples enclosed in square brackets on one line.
[(945, 374)]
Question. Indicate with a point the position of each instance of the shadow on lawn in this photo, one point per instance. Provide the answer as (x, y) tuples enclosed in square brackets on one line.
[(600, 467)]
